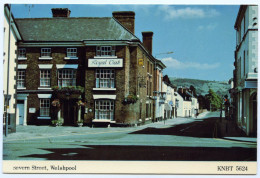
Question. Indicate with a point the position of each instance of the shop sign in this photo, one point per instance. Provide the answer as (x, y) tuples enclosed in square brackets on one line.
[(105, 63), (32, 110), (140, 62)]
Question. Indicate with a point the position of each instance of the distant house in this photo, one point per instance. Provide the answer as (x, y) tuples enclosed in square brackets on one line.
[(159, 95), (187, 104), (169, 105), (246, 69)]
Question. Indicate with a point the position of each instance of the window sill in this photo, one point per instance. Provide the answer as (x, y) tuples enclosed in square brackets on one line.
[(103, 120), (45, 58), (42, 88), (71, 58), (21, 88), (107, 57), (22, 58), (43, 117), (102, 89)]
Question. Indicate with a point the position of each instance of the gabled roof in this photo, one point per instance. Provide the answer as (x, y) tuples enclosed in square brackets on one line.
[(72, 29)]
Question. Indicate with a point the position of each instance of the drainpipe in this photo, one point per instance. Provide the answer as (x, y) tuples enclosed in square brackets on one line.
[(7, 89)]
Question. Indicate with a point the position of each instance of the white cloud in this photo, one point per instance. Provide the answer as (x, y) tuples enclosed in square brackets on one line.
[(207, 27), (174, 63), (187, 13)]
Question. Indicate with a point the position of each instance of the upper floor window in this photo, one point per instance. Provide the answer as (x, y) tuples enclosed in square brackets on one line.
[(45, 52), (21, 53), (71, 52), (105, 78), (45, 78), (66, 77), (105, 51), (21, 79)]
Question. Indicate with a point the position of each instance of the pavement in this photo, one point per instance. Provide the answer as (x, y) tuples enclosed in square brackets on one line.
[(228, 129)]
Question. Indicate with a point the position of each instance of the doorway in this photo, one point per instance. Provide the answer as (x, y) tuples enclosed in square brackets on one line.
[(20, 111), (69, 112)]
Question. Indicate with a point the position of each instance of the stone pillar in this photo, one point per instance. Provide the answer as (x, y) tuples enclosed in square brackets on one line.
[(79, 113), (59, 113), (25, 112)]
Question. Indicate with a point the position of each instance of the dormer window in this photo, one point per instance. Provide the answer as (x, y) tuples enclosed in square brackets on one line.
[(105, 51)]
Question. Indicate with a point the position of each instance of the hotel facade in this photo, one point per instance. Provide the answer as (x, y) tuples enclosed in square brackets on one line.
[(90, 70)]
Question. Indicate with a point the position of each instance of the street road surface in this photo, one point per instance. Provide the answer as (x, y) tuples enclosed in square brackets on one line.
[(178, 139)]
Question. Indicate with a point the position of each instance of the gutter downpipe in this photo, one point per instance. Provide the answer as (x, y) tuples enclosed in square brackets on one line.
[(7, 99)]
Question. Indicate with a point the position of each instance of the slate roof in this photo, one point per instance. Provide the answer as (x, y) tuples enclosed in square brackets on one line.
[(72, 29)]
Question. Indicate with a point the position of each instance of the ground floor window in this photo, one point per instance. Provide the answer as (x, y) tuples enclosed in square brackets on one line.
[(44, 107), (104, 109)]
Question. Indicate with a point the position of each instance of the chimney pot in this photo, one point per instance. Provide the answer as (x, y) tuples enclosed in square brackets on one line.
[(148, 41), (60, 12)]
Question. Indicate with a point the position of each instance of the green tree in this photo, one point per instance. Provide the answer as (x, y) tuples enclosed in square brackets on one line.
[(213, 100)]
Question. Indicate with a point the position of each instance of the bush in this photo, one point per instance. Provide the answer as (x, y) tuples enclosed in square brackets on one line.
[(69, 89), (56, 122)]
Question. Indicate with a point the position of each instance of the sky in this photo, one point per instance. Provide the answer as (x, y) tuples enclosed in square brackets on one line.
[(193, 41)]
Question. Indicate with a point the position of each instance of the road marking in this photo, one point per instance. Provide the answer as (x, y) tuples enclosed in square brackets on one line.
[(234, 141), (68, 135), (187, 127)]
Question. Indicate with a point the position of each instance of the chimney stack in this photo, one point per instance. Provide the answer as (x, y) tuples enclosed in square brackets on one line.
[(60, 12), (148, 41), (126, 18)]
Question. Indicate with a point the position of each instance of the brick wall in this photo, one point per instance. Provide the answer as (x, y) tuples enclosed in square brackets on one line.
[(32, 81)]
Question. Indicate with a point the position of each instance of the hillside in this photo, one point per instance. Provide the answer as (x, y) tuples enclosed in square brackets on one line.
[(202, 86)]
